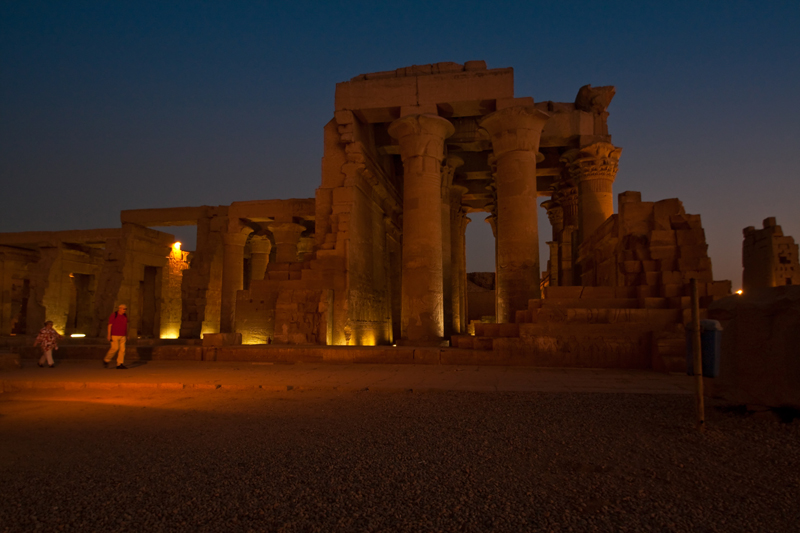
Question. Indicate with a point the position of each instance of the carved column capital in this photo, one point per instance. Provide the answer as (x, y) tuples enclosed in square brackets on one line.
[(555, 214), (234, 239), (514, 129), (260, 244), (421, 135), (594, 169), (287, 235), (598, 161)]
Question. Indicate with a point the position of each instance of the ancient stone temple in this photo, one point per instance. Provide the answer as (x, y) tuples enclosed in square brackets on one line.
[(769, 257), (377, 257)]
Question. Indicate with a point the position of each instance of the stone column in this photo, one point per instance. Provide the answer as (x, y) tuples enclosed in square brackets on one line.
[(555, 214), (260, 247), (593, 168), (458, 255), (566, 194), (232, 277), (448, 171), (515, 133), (421, 139), (287, 235)]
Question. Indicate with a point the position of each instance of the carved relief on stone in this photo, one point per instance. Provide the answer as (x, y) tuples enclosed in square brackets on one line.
[(555, 214), (597, 161)]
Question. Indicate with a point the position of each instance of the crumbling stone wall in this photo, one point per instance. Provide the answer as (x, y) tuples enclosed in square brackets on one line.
[(654, 246), (769, 258)]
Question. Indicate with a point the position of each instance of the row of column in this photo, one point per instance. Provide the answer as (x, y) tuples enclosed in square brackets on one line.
[(514, 133), (288, 246), (581, 201)]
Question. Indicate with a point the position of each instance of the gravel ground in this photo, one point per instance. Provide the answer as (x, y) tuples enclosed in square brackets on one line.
[(392, 461)]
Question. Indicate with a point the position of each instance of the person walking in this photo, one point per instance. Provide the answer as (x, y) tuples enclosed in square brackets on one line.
[(48, 339), (117, 335)]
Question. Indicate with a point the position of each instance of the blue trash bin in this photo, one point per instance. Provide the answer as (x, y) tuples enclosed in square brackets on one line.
[(710, 342)]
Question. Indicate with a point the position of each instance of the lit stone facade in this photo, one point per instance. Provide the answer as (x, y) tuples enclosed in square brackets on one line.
[(378, 256)]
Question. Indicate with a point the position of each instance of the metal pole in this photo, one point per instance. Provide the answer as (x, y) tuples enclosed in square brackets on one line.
[(697, 356)]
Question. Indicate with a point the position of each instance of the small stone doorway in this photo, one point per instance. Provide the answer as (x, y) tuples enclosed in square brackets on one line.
[(148, 303)]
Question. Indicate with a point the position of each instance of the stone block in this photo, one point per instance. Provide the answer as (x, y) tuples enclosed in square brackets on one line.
[(694, 264), (597, 292), (446, 67), (663, 210), (631, 280), (508, 330), (636, 218), (682, 302), (462, 341), (690, 237), (672, 290), (652, 278), (671, 277), (646, 291), (693, 251), (563, 292), (483, 343), (474, 65), (503, 103), (666, 265), (534, 303), (376, 93), (468, 86), (491, 330), (650, 266), (221, 339), (663, 252), (703, 276), (631, 267), (654, 303), (625, 292), (429, 109), (662, 238), (426, 356)]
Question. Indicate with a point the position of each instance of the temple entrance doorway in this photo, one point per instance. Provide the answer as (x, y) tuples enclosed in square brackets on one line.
[(79, 317), (147, 303)]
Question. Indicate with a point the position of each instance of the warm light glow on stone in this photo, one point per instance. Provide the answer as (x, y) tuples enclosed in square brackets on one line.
[(170, 334)]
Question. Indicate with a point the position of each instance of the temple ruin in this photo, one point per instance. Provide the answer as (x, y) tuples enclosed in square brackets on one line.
[(377, 257), (769, 257)]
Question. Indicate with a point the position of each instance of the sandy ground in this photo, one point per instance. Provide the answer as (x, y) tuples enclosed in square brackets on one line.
[(256, 460)]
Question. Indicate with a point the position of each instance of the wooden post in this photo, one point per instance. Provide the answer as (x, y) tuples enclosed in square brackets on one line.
[(697, 356)]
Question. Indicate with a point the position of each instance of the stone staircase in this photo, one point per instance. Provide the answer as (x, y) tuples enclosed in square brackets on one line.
[(592, 327)]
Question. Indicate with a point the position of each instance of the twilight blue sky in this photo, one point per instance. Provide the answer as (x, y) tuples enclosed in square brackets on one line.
[(118, 105)]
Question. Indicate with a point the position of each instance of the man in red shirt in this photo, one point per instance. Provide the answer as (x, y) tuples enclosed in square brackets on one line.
[(117, 335)]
